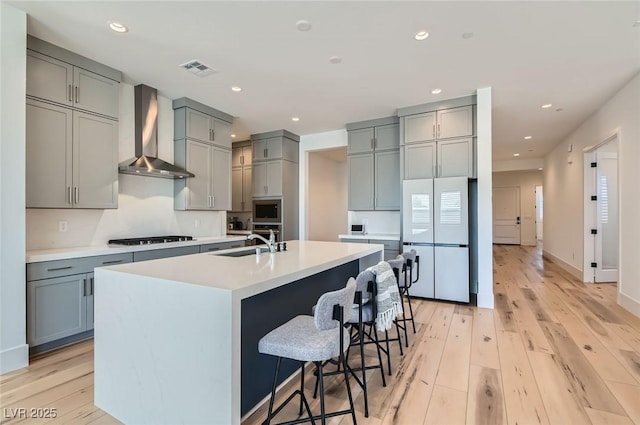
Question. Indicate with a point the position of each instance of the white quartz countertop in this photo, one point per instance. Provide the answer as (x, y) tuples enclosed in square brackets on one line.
[(239, 232), (36, 256), (378, 236), (252, 274)]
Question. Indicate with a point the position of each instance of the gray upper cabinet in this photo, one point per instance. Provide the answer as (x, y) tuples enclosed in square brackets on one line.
[(73, 158), (360, 141), (420, 127), (361, 181), (275, 148), (267, 179), (210, 189), (387, 180), (241, 155), (420, 161), (455, 157), (56, 81), (374, 165), (455, 122), (273, 152), (241, 176), (203, 127)]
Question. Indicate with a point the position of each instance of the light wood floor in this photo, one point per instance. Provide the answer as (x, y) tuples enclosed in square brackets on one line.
[(554, 351)]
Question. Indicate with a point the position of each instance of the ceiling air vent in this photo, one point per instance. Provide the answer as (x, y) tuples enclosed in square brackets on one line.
[(198, 68)]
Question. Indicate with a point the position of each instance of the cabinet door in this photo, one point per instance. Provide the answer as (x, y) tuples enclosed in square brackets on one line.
[(274, 148), (49, 78), (455, 122), (387, 180), (56, 308), (198, 187), (259, 185), (49, 155), (455, 158), (236, 157), (247, 205), (95, 161), (420, 127), (274, 178), (221, 134), (95, 93), (360, 170), (155, 254), (259, 150), (360, 141), (198, 125), (247, 155), (221, 193), (420, 161), (387, 137), (89, 285), (236, 189)]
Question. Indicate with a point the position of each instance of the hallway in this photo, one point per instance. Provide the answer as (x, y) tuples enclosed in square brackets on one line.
[(554, 351)]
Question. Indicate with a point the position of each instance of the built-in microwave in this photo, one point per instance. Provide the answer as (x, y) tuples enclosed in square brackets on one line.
[(267, 211)]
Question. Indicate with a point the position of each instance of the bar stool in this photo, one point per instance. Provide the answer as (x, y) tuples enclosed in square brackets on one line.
[(411, 259), (316, 338)]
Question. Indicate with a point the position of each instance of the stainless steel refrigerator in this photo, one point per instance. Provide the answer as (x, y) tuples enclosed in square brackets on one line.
[(435, 222)]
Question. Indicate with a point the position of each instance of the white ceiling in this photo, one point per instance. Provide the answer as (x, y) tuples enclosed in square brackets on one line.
[(574, 55)]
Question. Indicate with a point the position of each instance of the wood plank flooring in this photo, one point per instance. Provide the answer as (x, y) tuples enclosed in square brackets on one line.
[(554, 351)]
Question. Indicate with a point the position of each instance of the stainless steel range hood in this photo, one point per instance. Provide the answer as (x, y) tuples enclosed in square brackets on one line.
[(146, 161)]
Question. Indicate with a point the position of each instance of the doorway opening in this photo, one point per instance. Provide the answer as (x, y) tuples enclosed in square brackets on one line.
[(601, 233), (539, 213), (327, 194)]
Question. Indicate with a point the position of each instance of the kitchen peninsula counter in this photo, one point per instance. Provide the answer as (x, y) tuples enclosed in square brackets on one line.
[(176, 338)]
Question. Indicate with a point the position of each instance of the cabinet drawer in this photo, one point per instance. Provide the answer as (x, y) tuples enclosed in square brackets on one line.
[(355, 240), (221, 245), (388, 245), (49, 269), (164, 253)]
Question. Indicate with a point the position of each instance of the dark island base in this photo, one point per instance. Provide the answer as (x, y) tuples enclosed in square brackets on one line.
[(265, 312)]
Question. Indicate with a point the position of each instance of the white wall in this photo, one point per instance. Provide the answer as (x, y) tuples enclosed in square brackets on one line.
[(145, 204), (327, 194), (518, 164), (485, 207), (379, 222), (14, 352), (310, 143), (563, 186), (527, 182)]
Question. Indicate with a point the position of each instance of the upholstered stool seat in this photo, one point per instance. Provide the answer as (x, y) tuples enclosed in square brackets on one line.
[(300, 339)]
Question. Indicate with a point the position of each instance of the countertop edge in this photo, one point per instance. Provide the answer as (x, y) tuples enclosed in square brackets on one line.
[(376, 236)]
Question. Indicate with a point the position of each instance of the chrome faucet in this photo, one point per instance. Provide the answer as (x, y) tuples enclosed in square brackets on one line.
[(271, 243)]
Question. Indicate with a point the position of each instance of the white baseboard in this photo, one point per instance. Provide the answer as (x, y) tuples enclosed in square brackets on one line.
[(485, 299), (629, 304), (573, 271), (14, 358)]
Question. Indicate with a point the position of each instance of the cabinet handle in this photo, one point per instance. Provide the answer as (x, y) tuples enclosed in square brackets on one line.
[(111, 262), (77, 194), (70, 93), (77, 94), (264, 152), (241, 160), (265, 189), (213, 249), (59, 268), (434, 131), (213, 135), (91, 282), (70, 196), (373, 144), (213, 201), (433, 171), (438, 130), (85, 291)]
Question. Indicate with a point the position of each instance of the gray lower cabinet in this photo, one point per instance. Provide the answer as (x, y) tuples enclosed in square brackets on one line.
[(60, 299), (391, 248), (73, 158)]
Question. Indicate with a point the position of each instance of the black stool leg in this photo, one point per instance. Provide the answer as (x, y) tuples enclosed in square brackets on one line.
[(323, 418), (346, 381), (398, 333), (413, 322), (364, 372), (377, 342), (273, 391), (386, 337), (301, 387)]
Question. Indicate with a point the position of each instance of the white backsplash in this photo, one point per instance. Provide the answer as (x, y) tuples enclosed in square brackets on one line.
[(376, 221), (145, 204)]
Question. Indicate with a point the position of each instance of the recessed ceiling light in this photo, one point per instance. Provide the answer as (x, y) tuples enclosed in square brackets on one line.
[(636, 24), (546, 105), (421, 35), (540, 168), (436, 91), (295, 119), (236, 88), (233, 135), (335, 59), (303, 25), (467, 35), (118, 27), (516, 154), (527, 137)]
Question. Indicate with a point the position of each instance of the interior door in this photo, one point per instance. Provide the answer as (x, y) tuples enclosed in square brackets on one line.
[(606, 237), (506, 215)]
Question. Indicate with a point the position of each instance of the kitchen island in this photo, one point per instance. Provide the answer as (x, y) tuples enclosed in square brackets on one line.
[(176, 339)]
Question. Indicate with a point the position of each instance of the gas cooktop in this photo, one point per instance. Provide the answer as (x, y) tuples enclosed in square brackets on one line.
[(149, 240)]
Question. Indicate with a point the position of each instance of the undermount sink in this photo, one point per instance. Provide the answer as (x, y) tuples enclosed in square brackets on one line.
[(243, 253)]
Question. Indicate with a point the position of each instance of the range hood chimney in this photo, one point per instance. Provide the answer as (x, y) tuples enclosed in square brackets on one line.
[(146, 161)]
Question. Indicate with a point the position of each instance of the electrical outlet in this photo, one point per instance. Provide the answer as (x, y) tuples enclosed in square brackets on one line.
[(62, 226)]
